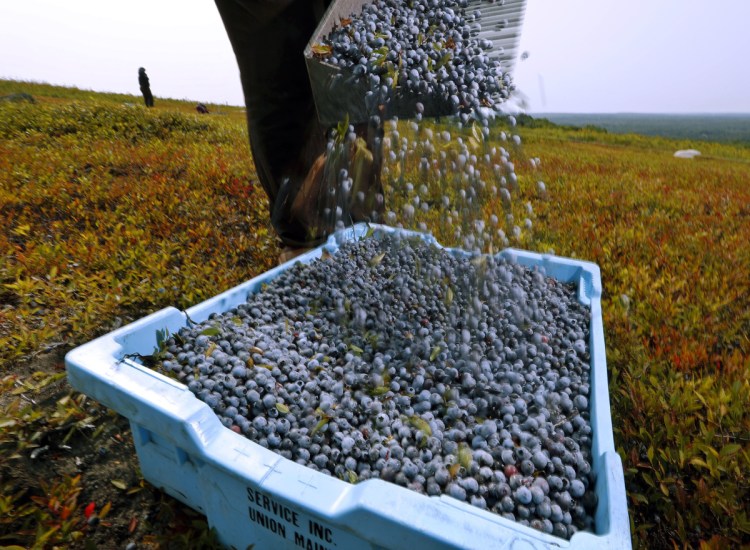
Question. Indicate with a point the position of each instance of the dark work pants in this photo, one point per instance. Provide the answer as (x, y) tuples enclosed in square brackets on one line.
[(268, 38), (148, 98)]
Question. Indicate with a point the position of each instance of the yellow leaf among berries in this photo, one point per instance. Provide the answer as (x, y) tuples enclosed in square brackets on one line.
[(321, 50)]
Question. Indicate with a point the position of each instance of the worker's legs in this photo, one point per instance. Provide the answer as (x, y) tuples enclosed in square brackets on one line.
[(268, 39), (148, 98), (287, 142)]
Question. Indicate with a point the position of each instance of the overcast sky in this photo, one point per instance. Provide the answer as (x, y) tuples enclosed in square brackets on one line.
[(659, 56)]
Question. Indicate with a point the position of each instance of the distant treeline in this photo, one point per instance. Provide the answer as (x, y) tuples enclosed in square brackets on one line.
[(725, 128)]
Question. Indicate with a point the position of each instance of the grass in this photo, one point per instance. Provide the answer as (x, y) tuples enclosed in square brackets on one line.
[(103, 202), (112, 211), (671, 240)]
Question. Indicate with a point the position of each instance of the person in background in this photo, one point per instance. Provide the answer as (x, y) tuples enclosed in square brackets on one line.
[(143, 82), (287, 141)]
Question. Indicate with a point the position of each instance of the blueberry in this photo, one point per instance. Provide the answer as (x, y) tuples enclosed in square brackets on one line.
[(269, 400), (442, 477), (470, 484), (523, 495), (456, 491)]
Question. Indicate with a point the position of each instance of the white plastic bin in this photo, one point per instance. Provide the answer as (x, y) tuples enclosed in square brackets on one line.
[(252, 496)]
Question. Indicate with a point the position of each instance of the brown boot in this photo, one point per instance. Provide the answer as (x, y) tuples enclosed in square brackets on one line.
[(362, 200), (289, 253), (305, 205)]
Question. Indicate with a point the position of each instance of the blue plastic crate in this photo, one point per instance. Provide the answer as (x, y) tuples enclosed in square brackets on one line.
[(253, 496)]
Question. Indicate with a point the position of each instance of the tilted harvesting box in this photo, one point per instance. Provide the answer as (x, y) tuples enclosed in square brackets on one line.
[(253, 496), (338, 93)]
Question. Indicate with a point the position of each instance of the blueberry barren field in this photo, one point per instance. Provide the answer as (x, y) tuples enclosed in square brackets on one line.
[(112, 211)]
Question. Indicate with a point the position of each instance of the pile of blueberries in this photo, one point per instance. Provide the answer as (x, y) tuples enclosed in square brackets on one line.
[(459, 375), (428, 50)]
